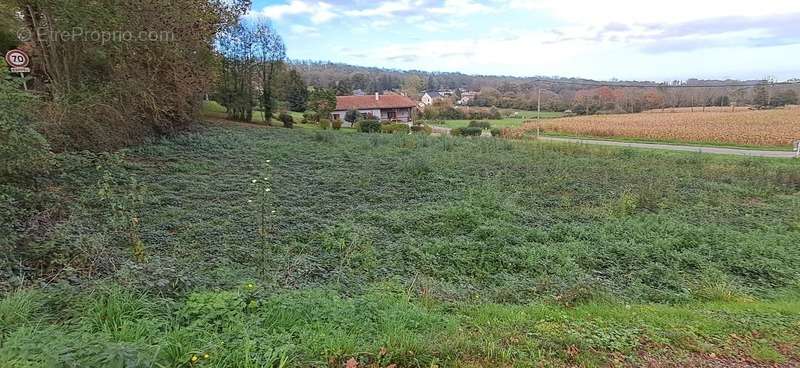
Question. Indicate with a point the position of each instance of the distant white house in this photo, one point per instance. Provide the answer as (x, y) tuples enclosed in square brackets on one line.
[(466, 97), (430, 97)]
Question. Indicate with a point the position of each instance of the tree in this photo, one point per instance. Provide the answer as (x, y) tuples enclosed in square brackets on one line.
[(322, 101), (235, 90), (10, 23), (787, 97), (412, 85), (150, 79), (297, 92), (761, 94), (432, 85), (343, 87), (270, 51)]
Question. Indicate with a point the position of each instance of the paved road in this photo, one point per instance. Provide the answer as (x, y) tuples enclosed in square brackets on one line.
[(671, 147)]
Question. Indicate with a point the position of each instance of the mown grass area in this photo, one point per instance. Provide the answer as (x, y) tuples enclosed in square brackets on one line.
[(507, 122), (416, 251), (212, 109)]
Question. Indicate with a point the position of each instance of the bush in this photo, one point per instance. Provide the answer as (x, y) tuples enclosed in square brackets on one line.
[(336, 124), (496, 132), (351, 116), (471, 132), (423, 129), (395, 128), (480, 124), (325, 124), (310, 118), (456, 132), (25, 163), (369, 126), (288, 120)]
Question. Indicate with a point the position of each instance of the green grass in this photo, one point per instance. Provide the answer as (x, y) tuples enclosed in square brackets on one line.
[(444, 251), (502, 123), (212, 109)]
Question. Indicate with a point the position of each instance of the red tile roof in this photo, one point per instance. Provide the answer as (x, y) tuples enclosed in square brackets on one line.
[(369, 102)]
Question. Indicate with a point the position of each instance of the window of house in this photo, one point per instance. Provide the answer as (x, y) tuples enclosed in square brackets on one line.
[(392, 114)]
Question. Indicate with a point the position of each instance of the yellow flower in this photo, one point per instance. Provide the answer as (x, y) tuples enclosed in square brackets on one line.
[(194, 358), (250, 286), (205, 356)]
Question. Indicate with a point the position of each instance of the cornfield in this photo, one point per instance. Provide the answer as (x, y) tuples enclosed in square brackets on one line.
[(757, 128)]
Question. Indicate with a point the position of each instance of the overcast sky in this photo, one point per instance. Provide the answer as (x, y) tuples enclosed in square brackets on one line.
[(624, 39)]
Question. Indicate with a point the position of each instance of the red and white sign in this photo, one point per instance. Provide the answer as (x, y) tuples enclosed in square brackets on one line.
[(17, 59)]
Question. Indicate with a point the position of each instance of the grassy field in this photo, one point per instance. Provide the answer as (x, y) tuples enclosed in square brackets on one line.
[(412, 250), (212, 109), (769, 128), (507, 122)]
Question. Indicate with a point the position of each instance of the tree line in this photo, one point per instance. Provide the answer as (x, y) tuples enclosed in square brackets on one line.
[(582, 96)]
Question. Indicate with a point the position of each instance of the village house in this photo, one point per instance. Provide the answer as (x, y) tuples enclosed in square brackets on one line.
[(466, 97), (386, 108), (430, 97)]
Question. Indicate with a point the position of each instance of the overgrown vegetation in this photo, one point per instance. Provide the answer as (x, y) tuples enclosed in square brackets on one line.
[(105, 90), (503, 253)]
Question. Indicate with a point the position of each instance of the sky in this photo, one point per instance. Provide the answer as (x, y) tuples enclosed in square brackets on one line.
[(603, 40)]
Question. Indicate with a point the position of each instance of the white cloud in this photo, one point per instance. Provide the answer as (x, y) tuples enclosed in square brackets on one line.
[(460, 8), (638, 11), (319, 11), (301, 30), (385, 9)]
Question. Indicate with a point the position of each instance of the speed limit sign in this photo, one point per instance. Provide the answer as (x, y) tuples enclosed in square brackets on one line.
[(17, 59)]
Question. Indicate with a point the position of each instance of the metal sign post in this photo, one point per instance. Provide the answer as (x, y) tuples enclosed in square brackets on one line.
[(18, 60)]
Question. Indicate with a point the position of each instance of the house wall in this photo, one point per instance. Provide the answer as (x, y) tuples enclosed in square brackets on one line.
[(375, 112), (402, 114), (383, 114)]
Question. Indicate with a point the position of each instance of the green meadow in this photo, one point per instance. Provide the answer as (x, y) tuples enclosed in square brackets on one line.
[(271, 247)]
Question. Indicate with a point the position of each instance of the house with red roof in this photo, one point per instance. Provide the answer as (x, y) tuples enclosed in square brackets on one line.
[(382, 107)]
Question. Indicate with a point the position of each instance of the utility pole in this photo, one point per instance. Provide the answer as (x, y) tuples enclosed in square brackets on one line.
[(539, 106)]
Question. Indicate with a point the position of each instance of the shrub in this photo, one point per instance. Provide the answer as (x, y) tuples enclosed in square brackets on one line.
[(456, 132), (480, 124), (325, 137), (324, 124), (351, 116), (496, 132), (369, 126), (423, 129), (288, 120), (25, 161), (336, 124), (395, 128), (310, 118), (471, 132)]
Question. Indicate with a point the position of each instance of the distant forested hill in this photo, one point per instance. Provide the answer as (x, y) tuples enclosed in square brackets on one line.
[(557, 93)]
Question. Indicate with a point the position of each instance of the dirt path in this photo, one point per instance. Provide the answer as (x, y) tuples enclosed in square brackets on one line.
[(671, 147)]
